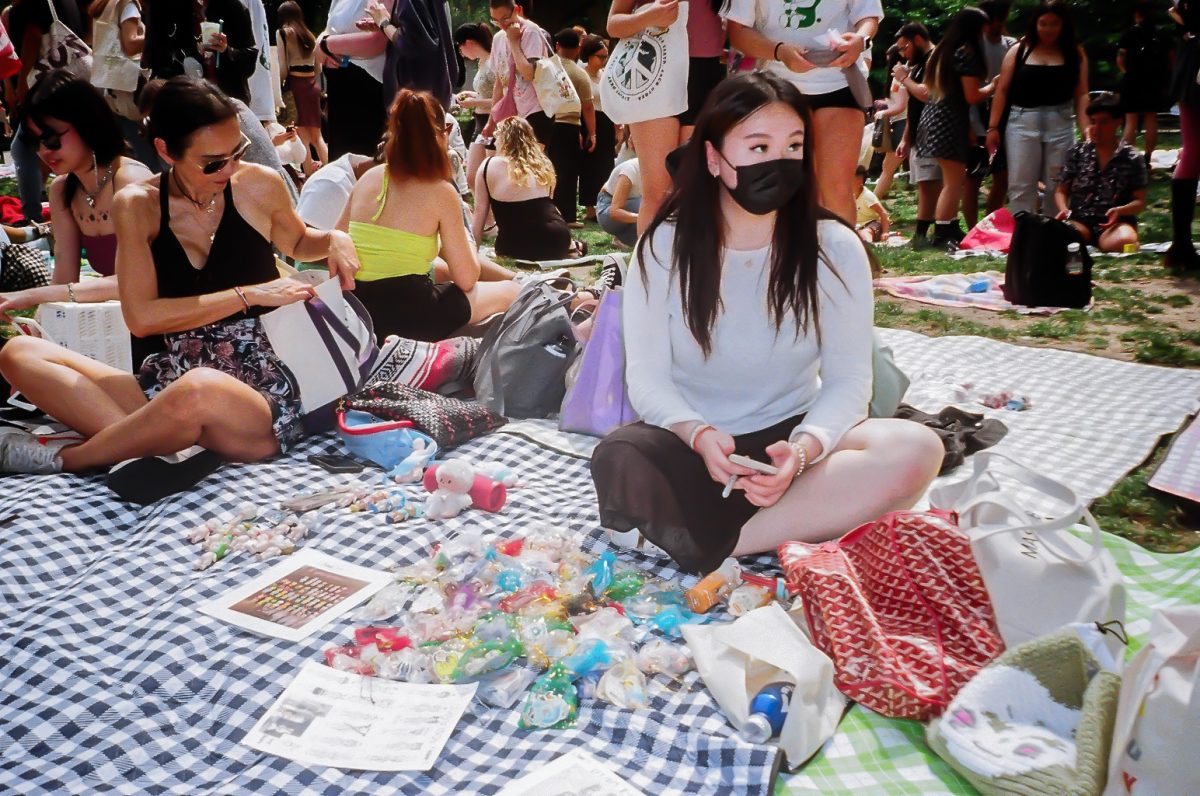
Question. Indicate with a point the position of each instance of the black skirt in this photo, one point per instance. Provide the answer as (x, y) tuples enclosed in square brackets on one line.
[(647, 478), (414, 307)]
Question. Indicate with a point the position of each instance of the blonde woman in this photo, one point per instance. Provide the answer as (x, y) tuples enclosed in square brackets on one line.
[(516, 185)]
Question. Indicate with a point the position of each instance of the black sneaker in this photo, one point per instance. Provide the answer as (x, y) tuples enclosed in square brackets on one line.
[(611, 273)]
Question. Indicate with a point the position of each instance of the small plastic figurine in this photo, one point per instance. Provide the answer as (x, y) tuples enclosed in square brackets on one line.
[(454, 481)]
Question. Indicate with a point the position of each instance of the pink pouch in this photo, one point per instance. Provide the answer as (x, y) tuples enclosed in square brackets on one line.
[(993, 233)]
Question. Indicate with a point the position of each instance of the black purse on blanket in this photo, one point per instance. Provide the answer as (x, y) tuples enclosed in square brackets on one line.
[(448, 421)]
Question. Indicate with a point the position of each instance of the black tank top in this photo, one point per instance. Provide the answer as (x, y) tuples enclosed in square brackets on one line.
[(239, 255), (531, 229), (1040, 86)]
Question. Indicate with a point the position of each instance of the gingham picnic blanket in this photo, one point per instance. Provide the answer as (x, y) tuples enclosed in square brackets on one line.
[(1179, 473), (114, 681)]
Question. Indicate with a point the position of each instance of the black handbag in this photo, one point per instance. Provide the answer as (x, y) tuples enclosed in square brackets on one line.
[(448, 421), (1037, 274)]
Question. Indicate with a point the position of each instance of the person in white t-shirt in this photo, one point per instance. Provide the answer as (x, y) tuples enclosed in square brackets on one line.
[(748, 328), (618, 202), (780, 34), (327, 191)]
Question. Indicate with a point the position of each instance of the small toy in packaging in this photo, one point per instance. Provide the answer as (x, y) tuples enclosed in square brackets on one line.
[(624, 685), (551, 702)]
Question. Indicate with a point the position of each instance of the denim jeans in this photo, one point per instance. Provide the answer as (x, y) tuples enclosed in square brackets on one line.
[(626, 233), (1036, 143), (29, 176)]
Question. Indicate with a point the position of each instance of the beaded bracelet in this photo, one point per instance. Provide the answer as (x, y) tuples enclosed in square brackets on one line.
[(803, 454)]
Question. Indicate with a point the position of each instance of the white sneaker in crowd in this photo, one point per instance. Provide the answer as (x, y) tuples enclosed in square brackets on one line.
[(21, 452)]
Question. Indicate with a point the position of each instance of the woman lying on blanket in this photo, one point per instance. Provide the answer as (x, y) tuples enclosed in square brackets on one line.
[(748, 327), (401, 216), (196, 265)]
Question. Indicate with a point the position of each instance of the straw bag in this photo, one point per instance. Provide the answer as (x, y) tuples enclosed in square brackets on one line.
[(1040, 576), (96, 330), (899, 606), (448, 421)]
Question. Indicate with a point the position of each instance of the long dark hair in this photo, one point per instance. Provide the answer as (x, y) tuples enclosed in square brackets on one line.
[(965, 30), (694, 205), (1068, 42), (477, 32), (291, 17), (60, 95)]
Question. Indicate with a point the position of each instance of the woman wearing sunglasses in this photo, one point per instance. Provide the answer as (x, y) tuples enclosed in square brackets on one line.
[(196, 265), (69, 124)]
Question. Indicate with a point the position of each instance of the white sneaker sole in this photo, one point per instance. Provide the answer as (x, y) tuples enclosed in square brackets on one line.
[(633, 540)]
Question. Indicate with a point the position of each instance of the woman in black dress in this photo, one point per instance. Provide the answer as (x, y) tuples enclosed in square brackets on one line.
[(953, 83)]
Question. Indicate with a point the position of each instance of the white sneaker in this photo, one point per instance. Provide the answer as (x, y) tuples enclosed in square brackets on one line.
[(21, 452), (633, 540)]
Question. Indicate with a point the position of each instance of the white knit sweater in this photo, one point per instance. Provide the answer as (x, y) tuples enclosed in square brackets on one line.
[(755, 376)]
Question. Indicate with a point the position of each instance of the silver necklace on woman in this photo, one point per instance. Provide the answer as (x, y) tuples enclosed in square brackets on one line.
[(208, 206), (103, 180)]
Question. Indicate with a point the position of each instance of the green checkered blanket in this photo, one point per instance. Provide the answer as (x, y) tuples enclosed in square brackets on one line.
[(872, 755)]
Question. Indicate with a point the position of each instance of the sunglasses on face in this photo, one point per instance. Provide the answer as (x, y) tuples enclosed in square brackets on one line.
[(213, 166), (48, 138)]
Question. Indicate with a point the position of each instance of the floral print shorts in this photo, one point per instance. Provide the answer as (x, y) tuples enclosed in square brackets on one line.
[(239, 348)]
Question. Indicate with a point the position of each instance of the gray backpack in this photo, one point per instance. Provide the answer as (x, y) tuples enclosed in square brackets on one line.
[(523, 359)]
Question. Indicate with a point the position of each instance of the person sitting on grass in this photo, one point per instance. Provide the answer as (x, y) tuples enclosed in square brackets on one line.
[(872, 222), (516, 185), (618, 202), (1103, 186)]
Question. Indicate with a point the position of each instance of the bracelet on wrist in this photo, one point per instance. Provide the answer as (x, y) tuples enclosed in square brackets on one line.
[(777, 46), (242, 296), (71, 292), (802, 453), (696, 432)]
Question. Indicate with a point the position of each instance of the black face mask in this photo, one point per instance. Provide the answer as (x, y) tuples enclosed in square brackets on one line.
[(765, 187)]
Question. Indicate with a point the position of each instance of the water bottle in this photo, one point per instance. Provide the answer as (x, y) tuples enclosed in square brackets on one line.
[(1074, 259), (768, 711)]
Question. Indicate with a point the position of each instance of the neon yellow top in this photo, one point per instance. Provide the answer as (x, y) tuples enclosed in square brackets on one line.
[(384, 252)]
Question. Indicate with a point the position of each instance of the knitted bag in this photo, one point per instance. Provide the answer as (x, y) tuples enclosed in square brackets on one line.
[(900, 608), (23, 268), (448, 421), (1038, 719)]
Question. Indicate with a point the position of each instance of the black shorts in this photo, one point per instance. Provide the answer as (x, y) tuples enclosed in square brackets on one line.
[(543, 126), (842, 98), (414, 307), (703, 76), (1093, 225)]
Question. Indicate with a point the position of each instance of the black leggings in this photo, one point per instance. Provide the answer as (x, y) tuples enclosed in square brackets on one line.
[(598, 164)]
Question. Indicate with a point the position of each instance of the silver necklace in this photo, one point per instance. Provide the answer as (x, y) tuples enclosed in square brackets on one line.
[(91, 196), (208, 206)]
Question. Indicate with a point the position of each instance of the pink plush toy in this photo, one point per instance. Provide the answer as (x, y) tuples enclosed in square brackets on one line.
[(454, 481)]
